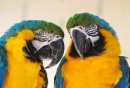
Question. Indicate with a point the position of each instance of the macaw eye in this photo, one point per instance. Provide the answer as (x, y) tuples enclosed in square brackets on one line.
[(57, 36), (41, 32), (40, 35), (92, 30)]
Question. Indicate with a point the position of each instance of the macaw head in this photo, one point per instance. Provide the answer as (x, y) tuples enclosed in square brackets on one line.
[(91, 36), (44, 40)]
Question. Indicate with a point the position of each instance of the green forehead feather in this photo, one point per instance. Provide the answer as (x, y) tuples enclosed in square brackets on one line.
[(84, 19), (51, 27), (34, 25)]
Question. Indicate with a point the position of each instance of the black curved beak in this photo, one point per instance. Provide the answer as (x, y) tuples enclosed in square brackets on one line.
[(53, 51), (81, 43)]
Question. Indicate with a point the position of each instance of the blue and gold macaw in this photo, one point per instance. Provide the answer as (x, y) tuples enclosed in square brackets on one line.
[(92, 59), (22, 50)]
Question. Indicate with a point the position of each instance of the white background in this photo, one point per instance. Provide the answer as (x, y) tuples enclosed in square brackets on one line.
[(116, 12)]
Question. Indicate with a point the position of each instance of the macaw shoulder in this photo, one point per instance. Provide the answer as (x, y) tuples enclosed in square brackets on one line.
[(20, 69), (95, 67)]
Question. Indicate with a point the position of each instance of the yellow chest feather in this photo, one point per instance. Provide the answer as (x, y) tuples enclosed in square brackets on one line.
[(94, 72), (22, 75)]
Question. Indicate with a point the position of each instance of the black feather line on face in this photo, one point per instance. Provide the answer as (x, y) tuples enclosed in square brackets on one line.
[(30, 52), (96, 50), (44, 76)]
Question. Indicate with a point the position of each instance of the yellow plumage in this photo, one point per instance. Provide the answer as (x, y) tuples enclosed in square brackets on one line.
[(21, 72), (102, 71)]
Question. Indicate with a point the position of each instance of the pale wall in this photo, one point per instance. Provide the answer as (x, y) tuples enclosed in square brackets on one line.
[(116, 12)]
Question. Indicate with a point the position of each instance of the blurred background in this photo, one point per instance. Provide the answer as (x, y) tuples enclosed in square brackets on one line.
[(115, 12)]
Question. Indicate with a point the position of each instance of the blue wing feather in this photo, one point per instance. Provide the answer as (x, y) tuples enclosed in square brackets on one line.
[(125, 79), (3, 65), (59, 81)]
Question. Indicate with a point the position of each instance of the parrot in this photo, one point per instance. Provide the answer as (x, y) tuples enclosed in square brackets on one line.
[(92, 59), (23, 49)]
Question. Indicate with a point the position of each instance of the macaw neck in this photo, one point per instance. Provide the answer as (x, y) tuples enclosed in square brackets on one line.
[(112, 46)]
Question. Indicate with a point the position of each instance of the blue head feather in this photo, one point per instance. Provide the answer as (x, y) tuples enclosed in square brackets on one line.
[(105, 25), (83, 19), (31, 24)]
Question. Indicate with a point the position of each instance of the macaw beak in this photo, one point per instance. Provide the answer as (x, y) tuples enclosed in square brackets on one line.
[(81, 43), (53, 51)]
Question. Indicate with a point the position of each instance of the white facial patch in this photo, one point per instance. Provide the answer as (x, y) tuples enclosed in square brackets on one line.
[(91, 32), (93, 39), (43, 38), (79, 28)]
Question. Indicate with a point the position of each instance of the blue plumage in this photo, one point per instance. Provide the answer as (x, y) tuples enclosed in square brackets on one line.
[(3, 65), (125, 79), (31, 24), (104, 24), (59, 81)]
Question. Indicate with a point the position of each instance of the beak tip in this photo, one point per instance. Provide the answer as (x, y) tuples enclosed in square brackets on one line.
[(48, 67), (83, 58), (57, 50)]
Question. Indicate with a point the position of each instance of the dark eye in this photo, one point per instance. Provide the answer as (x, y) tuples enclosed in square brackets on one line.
[(80, 27), (57, 36), (41, 32), (93, 26), (92, 30)]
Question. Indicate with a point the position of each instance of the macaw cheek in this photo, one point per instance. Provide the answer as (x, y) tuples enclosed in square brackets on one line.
[(44, 52)]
